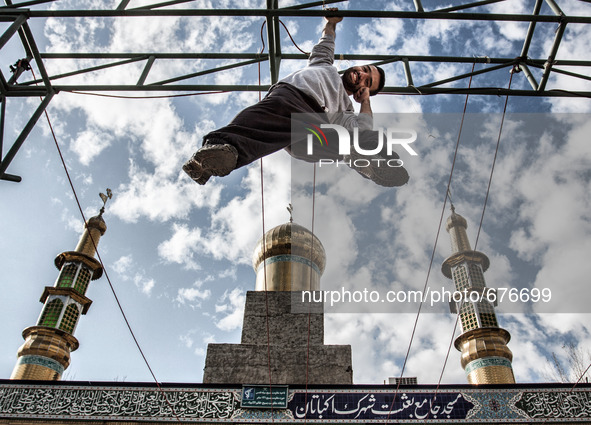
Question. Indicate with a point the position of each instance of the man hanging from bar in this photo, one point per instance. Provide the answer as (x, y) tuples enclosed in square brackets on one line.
[(317, 90)]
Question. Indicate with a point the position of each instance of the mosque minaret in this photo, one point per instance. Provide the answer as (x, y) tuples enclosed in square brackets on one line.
[(45, 354), (486, 358)]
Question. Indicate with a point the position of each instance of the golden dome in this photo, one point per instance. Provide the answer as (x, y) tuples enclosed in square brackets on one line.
[(455, 220), (97, 222), (290, 239)]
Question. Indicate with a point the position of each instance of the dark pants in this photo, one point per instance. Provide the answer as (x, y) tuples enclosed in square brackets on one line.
[(266, 127)]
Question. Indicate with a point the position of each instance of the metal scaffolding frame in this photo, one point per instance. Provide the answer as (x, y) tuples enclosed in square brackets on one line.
[(46, 86)]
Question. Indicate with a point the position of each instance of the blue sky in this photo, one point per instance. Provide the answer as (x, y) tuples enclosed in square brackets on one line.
[(178, 254)]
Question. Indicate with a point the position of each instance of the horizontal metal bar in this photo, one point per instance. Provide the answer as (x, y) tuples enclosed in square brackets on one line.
[(157, 55), (28, 3), (188, 88), (87, 70), (207, 71), (571, 74), (300, 56), (466, 16), (468, 6), (564, 72), (467, 75), (10, 178), (164, 4), (313, 4), (496, 91)]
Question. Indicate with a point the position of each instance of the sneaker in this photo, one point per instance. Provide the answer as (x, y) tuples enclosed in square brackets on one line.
[(211, 160), (378, 170)]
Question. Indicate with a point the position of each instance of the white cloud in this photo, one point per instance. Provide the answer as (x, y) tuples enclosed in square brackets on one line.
[(238, 223), (123, 264), (145, 285), (513, 31), (187, 340), (89, 144), (128, 270), (193, 295), (181, 246), (234, 306), (152, 195)]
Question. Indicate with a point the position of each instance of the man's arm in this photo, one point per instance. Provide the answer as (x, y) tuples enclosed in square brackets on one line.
[(362, 97), (323, 52), (331, 24)]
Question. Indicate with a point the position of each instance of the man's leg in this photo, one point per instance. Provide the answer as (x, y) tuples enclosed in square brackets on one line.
[(383, 169), (257, 131)]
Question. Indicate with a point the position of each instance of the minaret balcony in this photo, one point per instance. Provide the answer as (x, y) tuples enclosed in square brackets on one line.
[(68, 292)]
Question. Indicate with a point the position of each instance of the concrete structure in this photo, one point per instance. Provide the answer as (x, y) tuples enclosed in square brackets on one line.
[(282, 339), (45, 353), (485, 355)]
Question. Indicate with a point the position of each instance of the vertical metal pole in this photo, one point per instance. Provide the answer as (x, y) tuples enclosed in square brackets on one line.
[(276, 33), (13, 28), (272, 39), (22, 137), (123, 5), (554, 50), (555, 7), (2, 114), (147, 68), (550, 62), (530, 30), (529, 76), (407, 73), (35, 51)]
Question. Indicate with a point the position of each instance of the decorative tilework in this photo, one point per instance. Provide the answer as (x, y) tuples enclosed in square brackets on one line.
[(351, 405), (291, 258), (487, 361), (492, 405), (41, 361), (552, 404)]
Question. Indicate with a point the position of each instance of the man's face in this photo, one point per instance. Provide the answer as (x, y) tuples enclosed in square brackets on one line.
[(361, 76)]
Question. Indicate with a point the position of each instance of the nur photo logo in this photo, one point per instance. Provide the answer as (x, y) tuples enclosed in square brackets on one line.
[(393, 137)]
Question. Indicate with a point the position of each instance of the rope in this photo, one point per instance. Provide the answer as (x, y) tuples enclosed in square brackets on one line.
[(137, 344), (265, 254), (479, 229), (580, 378), (292, 40), (169, 96), (264, 245), (434, 247), (310, 306), (266, 292), (492, 170)]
